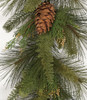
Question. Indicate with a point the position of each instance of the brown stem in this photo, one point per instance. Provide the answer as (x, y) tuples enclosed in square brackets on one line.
[(30, 24), (73, 30)]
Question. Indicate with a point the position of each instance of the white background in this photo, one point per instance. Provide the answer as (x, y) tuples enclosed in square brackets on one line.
[(4, 37)]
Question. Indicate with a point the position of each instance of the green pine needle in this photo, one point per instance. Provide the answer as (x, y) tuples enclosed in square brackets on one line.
[(45, 43), (35, 65), (16, 20), (13, 95), (31, 5)]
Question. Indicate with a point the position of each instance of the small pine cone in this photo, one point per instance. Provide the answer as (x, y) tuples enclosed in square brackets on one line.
[(44, 17)]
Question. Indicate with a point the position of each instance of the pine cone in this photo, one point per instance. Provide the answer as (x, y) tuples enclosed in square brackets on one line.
[(44, 17)]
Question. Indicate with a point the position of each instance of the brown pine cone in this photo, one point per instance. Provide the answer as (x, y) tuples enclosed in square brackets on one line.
[(44, 17)]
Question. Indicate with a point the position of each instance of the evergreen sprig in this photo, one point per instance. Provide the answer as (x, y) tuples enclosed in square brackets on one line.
[(13, 95), (45, 43), (68, 31), (20, 5), (16, 61), (34, 3), (74, 83), (16, 20), (22, 34), (34, 64)]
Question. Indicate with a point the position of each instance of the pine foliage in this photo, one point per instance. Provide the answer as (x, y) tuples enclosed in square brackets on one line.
[(19, 5), (13, 95), (45, 44), (15, 60), (71, 75), (34, 3), (36, 67), (15, 20)]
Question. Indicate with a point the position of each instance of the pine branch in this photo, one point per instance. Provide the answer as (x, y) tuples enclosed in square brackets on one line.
[(24, 4), (10, 5), (70, 44), (65, 71), (27, 29), (79, 4), (77, 40), (29, 97), (22, 34), (68, 31), (70, 76), (20, 5), (38, 68), (45, 44), (16, 61), (31, 5), (13, 95), (16, 20), (73, 30)]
